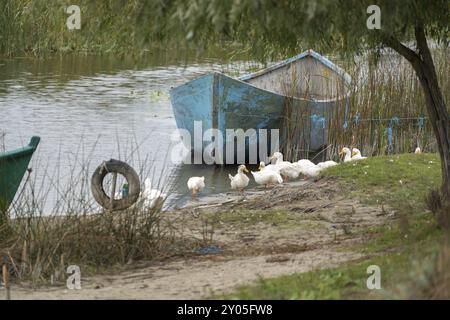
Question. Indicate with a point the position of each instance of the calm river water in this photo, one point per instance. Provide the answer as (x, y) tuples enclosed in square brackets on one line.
[(90, 109)]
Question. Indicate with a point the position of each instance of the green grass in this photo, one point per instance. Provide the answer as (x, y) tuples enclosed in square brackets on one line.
[(399, 248), (402, 181), (345, 281)]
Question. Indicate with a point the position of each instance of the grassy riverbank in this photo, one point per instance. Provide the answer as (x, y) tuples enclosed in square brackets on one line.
[(409, 250), (302, 240)]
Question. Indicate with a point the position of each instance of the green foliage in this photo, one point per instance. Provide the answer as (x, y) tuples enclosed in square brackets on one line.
[(267, 28), (39, 27), (286, 27)]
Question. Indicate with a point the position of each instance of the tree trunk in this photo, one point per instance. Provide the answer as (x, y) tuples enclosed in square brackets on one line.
[(437, 109), (423, 65), (438, 114)]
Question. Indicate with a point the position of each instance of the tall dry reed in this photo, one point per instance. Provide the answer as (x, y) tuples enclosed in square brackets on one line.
[(384, 113), (39, 242)]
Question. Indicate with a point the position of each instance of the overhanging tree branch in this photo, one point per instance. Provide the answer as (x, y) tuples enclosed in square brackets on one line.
[(400, 48)]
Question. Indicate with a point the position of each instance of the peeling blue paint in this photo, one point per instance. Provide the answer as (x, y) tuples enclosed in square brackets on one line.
[(222, 102)]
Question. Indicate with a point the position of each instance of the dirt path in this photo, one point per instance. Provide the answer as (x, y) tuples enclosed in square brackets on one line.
[(296, 227)]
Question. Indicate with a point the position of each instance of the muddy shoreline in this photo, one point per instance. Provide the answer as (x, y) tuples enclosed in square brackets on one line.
[(295, 227)]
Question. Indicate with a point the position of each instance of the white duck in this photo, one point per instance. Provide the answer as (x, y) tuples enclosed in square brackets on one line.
[(266, 176), (418, 150), (286, 168), (348, 154), (310, 171), (305, 163), (153, 198), (240, 180), (262, 166), (327, 164), (356, 154), (308, 168), (196, 185), (119, 193)]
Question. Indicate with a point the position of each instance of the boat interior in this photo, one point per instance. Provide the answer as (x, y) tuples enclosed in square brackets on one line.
[(306, 78)]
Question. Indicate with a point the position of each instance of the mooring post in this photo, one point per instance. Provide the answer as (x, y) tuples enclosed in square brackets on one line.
[(5, 282)]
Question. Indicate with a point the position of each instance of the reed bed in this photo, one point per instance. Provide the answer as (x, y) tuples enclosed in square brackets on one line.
[(39, 27), (126, 28), (385, 112)]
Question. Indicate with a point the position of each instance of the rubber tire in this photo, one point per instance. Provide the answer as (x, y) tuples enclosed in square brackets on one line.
[(99, 193)]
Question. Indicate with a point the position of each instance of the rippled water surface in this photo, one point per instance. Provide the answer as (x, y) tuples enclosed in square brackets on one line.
[(90, 109)]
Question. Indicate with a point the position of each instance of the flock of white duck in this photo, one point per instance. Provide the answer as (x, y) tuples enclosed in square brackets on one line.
[(272, 174), (276, 172)]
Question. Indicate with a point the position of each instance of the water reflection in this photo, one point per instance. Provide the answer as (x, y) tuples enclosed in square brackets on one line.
[(102, 108)]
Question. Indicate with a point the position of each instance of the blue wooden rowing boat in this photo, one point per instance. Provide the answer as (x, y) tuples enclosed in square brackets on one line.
[(307, 84)]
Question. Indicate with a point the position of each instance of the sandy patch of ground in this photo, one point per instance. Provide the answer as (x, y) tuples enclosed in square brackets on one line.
[(296, 227)]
